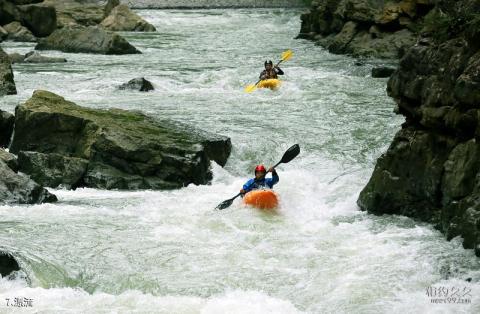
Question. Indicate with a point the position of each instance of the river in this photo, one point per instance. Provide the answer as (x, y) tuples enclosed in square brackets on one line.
[(170, 251)]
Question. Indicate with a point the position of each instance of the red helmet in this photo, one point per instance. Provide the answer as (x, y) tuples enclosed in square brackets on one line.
[(260, 168)]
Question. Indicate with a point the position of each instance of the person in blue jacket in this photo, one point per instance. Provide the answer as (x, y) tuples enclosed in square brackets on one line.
[(260, 182)]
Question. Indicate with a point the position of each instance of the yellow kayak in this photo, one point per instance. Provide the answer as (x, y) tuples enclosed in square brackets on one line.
[(273, 84)]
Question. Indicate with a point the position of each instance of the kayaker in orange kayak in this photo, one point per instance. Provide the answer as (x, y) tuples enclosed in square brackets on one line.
[(270, 72), (260, 181)]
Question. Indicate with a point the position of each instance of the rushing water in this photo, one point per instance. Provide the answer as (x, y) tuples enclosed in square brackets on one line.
[(171, 252)]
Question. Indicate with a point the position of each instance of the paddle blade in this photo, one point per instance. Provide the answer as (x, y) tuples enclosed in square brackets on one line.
[(291, 153), (250, 88), (225, 204), (287, 55)]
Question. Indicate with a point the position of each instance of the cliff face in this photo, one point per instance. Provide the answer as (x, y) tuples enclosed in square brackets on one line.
[(431, 170), (376, 28)]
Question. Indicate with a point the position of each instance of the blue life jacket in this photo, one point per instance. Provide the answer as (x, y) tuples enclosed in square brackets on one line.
[(254, 184)]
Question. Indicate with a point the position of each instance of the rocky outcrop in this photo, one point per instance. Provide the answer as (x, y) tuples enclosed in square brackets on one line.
[(17, 32), (6, 127), (123, 149), (8, 264), (121, 18), (7, 84), (87, 40), (374, 28), (431, 171), (138, 84), (17, 188)]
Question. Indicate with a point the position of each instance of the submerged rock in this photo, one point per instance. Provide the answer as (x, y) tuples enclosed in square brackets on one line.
[(8, 264), (17, 32), (16, 57), (121, 18), (17, 188), (7, 84), (87, 40), (124, 149), (382, 72), (35, 57), (138, 84)]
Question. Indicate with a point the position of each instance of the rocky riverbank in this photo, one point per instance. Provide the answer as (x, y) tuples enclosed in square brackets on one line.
[(431, 170), (367, 28)]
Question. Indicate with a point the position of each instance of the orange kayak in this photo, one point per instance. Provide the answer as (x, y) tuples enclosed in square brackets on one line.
[(262, 199)]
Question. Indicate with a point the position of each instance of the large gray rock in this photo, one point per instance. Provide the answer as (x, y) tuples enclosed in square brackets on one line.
[(40, 19), (17, 188), (125, 150), (138, 84), (7, 84), (8, 264), (87, 40), (8, 12), (77, 13), (53, 170), (17, 32), (121, 18), (6, 127)]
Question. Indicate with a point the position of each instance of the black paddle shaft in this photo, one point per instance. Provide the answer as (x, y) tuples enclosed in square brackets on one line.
[(291, 153)]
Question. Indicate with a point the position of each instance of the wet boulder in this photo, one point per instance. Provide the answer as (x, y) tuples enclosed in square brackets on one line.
[(7, 84), (16, 57), (3, 34), (17, 188), (86, 40), (53, 170), (17, 32), (109, 6), (6, 127), (41, 20), (8, 12), (10, 159), (138, 84), (382, 72), (35, 57), (124, 149), (121, 18), (8, 264)]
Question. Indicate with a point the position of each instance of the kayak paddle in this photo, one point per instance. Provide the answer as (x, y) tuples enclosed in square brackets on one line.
[(291, 153), (285, 56)]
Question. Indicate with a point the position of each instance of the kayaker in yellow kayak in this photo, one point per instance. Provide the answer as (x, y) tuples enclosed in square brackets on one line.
[(270, 72), (260, 181)]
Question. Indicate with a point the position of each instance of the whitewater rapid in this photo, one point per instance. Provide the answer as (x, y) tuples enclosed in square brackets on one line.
[(170, 251)]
